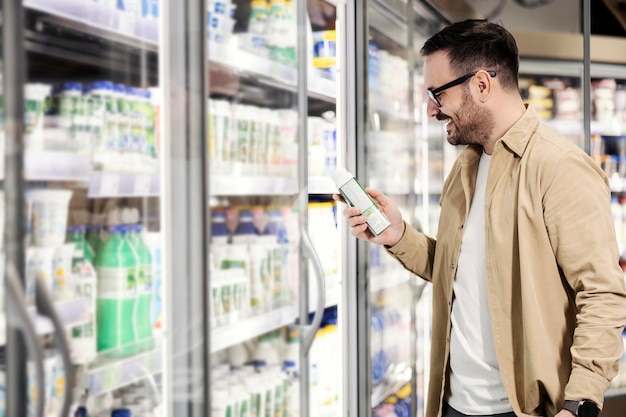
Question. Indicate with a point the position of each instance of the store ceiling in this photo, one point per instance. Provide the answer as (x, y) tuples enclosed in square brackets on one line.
[(608, 17)]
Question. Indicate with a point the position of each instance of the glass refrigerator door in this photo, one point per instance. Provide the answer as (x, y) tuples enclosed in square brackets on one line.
[(106, 293), (382, 299), (264, 99)]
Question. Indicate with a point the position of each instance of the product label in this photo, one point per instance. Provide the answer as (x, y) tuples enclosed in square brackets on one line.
[(356, 196), (116, 282)]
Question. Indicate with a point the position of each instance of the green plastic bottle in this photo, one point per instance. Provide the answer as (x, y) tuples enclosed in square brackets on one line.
[(76, 235), (143, 312), (117, 294), (93, 234)]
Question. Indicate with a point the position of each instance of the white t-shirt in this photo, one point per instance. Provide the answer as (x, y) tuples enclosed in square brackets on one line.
[(475, 381)]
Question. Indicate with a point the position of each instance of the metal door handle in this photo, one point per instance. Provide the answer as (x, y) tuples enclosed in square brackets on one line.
[(18, 317), (45, 307), (310, 330)]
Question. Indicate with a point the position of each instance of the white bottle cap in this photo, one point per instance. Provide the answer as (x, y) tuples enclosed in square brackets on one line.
[(341, 176)]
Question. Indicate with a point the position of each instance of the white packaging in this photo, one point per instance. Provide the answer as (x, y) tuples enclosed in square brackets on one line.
[(63, 282), (237, 355), (35, 96), (83, 337), (356, 196), (41, 268), (48, 210)]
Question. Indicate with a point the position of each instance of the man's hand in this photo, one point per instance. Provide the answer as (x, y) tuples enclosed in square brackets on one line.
[(565, 413), (358, 223)]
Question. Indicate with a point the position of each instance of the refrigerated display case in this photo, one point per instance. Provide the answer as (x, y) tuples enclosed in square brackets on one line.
[(381, 152), (88, 196), (275, 292)]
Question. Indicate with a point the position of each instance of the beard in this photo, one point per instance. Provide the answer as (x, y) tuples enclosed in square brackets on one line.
[(472, 125)]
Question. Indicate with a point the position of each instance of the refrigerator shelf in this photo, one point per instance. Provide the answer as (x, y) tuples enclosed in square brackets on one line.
[(108, 22), (397, 377), (234, 333), (104, 184), (75, 167), (106, 375), (71, 313), (56, 166), (268, 71), (233, 185)]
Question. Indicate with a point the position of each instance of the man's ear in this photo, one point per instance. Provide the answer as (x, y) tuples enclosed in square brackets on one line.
[(484, 84)]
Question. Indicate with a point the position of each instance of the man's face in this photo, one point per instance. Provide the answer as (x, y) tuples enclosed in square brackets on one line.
[(467, 121)]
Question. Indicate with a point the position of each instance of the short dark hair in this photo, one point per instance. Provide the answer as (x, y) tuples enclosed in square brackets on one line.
[(475, 44)]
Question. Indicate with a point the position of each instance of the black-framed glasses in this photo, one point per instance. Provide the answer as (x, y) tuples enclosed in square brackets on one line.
[(433, 93)]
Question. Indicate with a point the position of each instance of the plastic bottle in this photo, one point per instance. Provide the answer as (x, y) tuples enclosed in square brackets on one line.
[(291, 357), (83, 250), (71, 112), (99, 94), (245, 233), (356, 196), (275, 32), (237, 355), (219, 231), (83, 337), (149, 141), (403, 406), (93, 235), (117, 294), (377, 348), (220, 115), (123, 139), (258, 17), (222, 403), (280, 257), (143, 316), (265, 354)]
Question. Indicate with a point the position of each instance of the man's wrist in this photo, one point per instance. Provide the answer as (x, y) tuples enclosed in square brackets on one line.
[(400, 238), (582, 408)]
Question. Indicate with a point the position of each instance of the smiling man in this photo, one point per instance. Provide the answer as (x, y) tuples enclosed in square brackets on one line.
[(528, 296)]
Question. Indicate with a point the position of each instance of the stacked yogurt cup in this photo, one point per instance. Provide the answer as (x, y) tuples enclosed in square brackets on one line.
[(48, 256)]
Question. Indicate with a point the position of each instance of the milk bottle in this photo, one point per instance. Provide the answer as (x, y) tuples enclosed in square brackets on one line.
[(117, 288), (83, 337), (143, 312)]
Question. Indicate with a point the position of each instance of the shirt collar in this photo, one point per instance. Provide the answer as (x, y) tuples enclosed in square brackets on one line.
[(515, 139)]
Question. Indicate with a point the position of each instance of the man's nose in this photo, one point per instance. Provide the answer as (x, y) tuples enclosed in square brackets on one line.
[(431, 109)]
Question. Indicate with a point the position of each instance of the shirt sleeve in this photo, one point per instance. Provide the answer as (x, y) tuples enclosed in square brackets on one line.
[(579, 221), (415, 251)]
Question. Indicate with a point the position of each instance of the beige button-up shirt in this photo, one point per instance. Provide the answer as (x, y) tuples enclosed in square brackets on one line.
[(555, 287)]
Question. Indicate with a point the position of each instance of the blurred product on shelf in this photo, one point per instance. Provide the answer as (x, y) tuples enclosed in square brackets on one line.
[(251, 255), (324, 362), (220, 20), (114, 125), (249, 140), (322, 145), (83, 337), (137, 399), (126, 290), (323, 225), (116, 268), (325, 53)]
